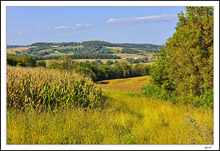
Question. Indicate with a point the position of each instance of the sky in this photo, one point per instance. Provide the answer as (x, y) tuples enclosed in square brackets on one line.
[(154, 25)]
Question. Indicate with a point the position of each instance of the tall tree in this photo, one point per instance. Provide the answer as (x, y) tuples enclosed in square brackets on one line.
[(185, 65)]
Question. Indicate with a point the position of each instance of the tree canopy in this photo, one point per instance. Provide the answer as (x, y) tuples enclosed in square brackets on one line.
[(185, 66)]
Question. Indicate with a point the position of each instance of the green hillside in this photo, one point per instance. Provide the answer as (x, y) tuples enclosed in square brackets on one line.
[(83, 50)]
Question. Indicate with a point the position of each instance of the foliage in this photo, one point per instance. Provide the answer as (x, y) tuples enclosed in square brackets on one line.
[(29, 61), (129, 50), (25, 60), (99, 71), (41, 63), (185, 66), (109, 62), (138, 60)]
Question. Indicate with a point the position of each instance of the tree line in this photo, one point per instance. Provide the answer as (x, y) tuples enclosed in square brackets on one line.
[(99, 71), (96, 70), (80, 56)]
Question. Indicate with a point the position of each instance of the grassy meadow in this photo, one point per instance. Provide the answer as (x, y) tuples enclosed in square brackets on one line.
[(19, 49), (125, 117)]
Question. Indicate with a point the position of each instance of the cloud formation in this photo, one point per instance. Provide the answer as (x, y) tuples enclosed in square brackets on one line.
[(144, 19), (60, 28), (77, 26)]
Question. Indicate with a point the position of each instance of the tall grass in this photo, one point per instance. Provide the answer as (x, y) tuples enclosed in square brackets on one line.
[(124, 119), (40, 88)]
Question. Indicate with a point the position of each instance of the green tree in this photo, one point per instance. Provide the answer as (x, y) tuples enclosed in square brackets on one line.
[(29, 61), (11, 60), (41, 63), (185, 65), (109, 62)]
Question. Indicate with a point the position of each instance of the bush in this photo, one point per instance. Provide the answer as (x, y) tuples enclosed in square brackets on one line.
[(41, 63)]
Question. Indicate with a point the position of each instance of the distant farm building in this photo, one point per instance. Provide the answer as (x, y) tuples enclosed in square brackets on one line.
[(123, 58), (55, 46), (136, 58)]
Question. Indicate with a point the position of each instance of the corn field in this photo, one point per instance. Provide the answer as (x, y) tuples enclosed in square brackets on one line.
[(40, 88)]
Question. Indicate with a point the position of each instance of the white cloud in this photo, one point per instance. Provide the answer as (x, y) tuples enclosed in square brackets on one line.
[(144, 19), (60, 28), (20, 33), (76, 26)]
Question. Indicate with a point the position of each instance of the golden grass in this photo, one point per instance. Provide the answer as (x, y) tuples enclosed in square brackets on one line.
[(19, 49), (126, 55), (116, 48), (123, 120), (125, 85)]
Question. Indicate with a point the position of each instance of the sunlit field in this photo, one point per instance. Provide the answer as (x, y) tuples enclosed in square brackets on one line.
[(124, 118), (156, 88), (19, 49), (125, 85)]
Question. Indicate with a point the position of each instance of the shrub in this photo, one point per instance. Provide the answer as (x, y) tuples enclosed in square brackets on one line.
[(41, 63)]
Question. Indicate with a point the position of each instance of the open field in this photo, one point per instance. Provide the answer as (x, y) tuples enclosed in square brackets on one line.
[(126, 55), (125, 85), (124, 119), (116, 48), (11, 50)]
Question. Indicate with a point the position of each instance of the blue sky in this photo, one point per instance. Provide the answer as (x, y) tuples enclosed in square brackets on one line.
[(26, 25)]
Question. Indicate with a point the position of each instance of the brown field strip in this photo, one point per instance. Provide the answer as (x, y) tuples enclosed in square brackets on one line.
[(19, 49)]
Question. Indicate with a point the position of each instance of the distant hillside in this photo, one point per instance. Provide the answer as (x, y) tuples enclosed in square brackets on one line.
[(83, 50)]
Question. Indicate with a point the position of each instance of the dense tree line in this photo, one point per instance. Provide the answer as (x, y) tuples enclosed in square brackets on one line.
[(81, 56), (15, 46), (184, 68), (99, 71), (50, 44), (24, 61), (129, 50), (146, 47)]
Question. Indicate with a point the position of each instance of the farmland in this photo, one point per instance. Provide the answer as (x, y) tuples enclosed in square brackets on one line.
[(85, 50), (18, 49), (124, 118), (97, 92)]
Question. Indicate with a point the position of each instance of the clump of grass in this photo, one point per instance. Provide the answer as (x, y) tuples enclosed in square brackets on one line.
[(40, 88)]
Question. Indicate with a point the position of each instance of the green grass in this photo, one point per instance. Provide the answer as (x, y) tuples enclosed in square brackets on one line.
[(125, 118)]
